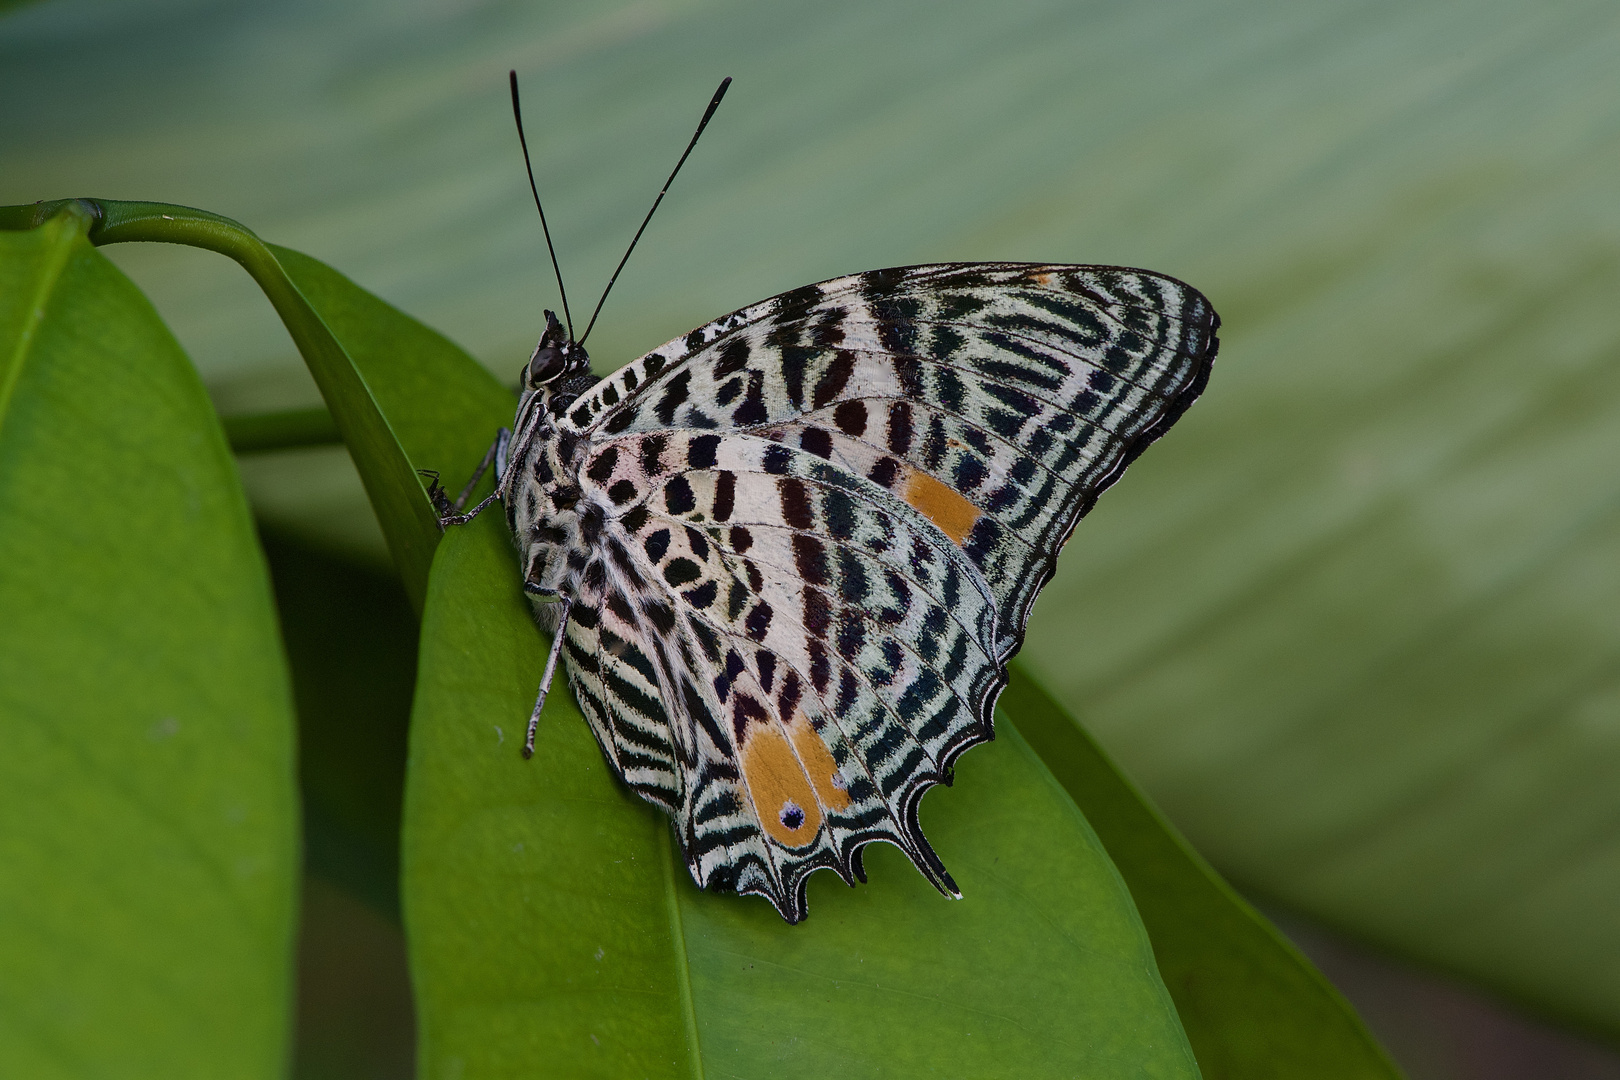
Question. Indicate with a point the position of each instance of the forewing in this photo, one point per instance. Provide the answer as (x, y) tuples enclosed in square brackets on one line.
[(790, 654), (995, 399)]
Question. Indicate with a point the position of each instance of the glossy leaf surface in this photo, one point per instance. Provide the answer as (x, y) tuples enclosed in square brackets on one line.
[(440, 404), (1349, 625), (1238, 985), (1253, 1007), (148, 820), (1256, 1049), (397, 494), (552, 925), (389, 382)]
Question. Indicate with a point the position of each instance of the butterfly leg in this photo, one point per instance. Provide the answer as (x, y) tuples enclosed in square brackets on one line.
[(495, 453), (435, 493), (545, 679), (450, 514)]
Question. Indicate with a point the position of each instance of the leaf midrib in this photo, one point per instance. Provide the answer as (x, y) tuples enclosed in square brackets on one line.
[(66, 237), (683, 973)]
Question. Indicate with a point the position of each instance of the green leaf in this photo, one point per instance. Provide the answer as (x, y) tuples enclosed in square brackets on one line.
[(553, 926), (1253, 1007), (1332, 624), (396, 493), (350, 636), (401, 396), (148, 823), (443, 407), (286, 429), (395, 389)]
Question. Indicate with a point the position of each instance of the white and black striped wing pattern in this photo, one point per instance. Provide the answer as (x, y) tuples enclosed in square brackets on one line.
[(833, 512)]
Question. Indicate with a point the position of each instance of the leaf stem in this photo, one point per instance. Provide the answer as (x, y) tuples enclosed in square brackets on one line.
[(396, 492), (289, 429)]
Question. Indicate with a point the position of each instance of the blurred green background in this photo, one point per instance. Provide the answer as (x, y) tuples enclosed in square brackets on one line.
[(1356, 626)]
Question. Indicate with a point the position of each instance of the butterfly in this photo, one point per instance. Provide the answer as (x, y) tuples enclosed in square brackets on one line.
[(787, 557)]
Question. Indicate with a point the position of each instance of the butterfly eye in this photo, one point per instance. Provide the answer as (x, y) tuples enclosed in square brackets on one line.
[(546, 364)]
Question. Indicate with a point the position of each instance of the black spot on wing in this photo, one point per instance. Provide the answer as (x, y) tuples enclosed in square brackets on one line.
[(652, 453), (969, 474), (827, 329), (898, 333), (900, 428), (834, 379), (678, 496), (850, 416), (733, 357), (796, 503), (795, 361), (851, 635), (681, 572), (698, 543), (820, 671), (657, 544), (701, 451), (758, 621), (810, 559), (838, 510), (876, 285), (752, 409), (796, 303), (817, 441), (675, 394), (725, 494), (818, 612)]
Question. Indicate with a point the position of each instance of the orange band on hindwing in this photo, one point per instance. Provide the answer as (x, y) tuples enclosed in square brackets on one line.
[(830, 785), (781, 792)]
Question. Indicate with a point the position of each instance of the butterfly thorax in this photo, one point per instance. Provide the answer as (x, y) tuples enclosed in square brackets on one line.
[(554, 523)]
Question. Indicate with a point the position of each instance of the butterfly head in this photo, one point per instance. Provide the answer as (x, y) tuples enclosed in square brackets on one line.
[(555, 357)]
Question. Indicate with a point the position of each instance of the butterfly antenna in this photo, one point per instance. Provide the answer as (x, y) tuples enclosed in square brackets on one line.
[(708, 113), (517, 114)]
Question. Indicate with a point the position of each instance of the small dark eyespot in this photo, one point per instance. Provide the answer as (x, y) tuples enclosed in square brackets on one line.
[(791, 816)]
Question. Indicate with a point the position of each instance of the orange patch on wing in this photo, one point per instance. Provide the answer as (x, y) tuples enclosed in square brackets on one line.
[(781, 792), (942, 505), (818, 760)]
